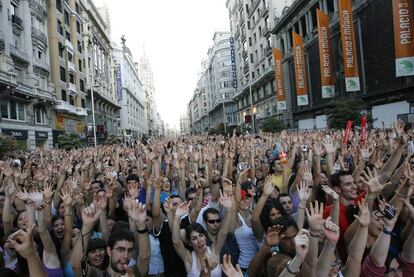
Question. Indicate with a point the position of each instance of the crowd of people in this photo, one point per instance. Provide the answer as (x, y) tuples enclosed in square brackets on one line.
[(315, 203)]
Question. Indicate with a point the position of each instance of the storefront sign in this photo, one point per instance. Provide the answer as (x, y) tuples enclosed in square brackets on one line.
[(17, 134), (41, 135)]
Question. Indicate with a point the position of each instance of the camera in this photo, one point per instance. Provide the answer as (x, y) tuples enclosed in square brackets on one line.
[(243, 166), (304, 148), (389, 211)]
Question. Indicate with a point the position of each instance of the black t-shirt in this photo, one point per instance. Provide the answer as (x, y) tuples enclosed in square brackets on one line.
[(173, 265)]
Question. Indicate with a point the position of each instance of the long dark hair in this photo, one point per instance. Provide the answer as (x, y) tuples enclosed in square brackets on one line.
[(265, 215)]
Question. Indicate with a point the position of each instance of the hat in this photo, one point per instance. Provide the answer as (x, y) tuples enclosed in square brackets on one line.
[(246, 185), (96, 244)]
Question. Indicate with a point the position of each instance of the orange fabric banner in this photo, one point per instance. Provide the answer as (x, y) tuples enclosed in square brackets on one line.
[(280, 87), (325, 56), (300, 70), (403, 37), (349, 54)]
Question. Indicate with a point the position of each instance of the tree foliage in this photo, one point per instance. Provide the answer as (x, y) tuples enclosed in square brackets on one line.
[(272, 125), (7, 144), (69, 141), (341, 110)]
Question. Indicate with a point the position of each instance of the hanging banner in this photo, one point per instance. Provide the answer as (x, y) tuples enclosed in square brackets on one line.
[(364, 129), (403, 37), (349, 54), (280, 88), (300, 71), (347, 132), (325, 56)]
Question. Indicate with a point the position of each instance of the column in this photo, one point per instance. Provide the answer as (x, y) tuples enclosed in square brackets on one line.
[(310, 21), (335, 2), (325, 6), (321, 6), (53, 46), (26, 38), (300, 27)]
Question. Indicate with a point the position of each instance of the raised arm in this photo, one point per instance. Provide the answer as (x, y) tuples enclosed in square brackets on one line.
[(227, 202), (335, 207), (256, 224), (178, 244), (331, 233), (66, 196), (392, 162), (302, 247)]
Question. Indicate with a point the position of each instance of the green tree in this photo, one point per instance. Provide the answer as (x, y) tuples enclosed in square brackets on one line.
[(69, 141), (7, 144), (341, 110), (272, 125)]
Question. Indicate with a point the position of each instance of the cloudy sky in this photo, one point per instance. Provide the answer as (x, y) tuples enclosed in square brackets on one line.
[(176, 35)]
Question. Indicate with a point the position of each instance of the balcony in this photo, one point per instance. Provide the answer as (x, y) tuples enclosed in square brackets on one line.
[(64, 106), (244, 53), (265, 11), (246, 68), (17, 22), (69, 45), (39, 10), (72, 89), (19, 54), (81, 111), (243, 37), (39, 36), (41, 64), (71, 66)]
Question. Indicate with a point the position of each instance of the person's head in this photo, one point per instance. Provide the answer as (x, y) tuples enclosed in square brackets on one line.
[(207, 192), (61, 208), (99, 177), (246, 200), (336, 265), (376, 224), (343, 183), (58, 226), (75, 234), (286, 201), (191, 195), (96, 253), (196, 237), (175, 200), (132, 179), (212, 220), (110, 222), (21, 220), (272, 211), (165, 184), (277, 167), (96, 186), (120, 249), (392, 267), (287, 235)]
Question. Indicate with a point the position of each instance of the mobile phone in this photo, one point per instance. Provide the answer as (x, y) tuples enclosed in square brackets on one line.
[(243, 166)]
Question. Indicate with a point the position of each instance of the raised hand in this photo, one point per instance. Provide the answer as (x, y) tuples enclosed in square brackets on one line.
[(365, 154), (229, 269), (182, 209), (137, 213), (371, 180), (66, 195), (315, 218), (329, 146), (268, 188), (273, 235), (22, 194), (302, 244), (303, 191), (90, 215), (22, 241), (330, 192), (388, 222), (364, 216), (225, 200), (133, 190), (36, 197), (208, 262), (330, 231)]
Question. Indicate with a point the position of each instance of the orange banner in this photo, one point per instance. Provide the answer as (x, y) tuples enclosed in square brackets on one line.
[(403, 37), (349, 54), (300, 70), (280, 87), (325, 56)]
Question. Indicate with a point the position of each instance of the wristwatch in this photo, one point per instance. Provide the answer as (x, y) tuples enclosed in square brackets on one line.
[(290, 270)]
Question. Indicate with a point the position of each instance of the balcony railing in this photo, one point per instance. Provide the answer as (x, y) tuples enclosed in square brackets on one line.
[(72, 89), (65, 106), (16, 52), (81, 112), (17, 22), (41, 64), (71, 66), (39, 35)]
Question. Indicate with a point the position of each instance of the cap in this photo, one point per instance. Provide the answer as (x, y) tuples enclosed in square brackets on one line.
[(96, 244)]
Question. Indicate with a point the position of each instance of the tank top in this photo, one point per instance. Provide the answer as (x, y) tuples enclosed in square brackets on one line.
[(247, 243), (195, 271), (156, 264)]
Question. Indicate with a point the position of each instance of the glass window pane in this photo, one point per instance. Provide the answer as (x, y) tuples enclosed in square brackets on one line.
[(21, 111), (4, 109), (13, 110)]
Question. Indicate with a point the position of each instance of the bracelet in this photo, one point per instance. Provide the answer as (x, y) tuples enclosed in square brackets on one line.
[(143, 231), (390, 233), (290, 270), (313, 235)]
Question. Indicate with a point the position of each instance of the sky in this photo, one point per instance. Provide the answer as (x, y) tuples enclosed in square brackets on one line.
[(176, 36)]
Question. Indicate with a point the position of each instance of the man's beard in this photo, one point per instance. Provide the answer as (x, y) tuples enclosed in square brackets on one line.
[(114, 268)]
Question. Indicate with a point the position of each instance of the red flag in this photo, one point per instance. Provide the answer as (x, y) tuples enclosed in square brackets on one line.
[(347, 132), (364, 129)]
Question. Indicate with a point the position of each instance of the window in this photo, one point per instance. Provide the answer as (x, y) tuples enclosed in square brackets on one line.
[(62, 74), (13, 9), (12, 110), (60, 27), (77, 8), (80, 65), (59, 5), (78, 28), (71, 100), (79, 46), (66, 18), (70, 57), (83, 103), (67, 35), (61, 50), (40, 115), (82, 85), (64, 97), (71, 79)]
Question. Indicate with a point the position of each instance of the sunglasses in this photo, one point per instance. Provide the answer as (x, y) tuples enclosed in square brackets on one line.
[(212, 221)]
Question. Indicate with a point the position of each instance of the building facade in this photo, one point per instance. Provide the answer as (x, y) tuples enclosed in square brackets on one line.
[(386, 96), (131, 95), (26, 95), (147, 79), (184, 125)]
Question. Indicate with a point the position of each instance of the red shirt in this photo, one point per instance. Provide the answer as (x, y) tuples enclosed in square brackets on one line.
[(343, 224)]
